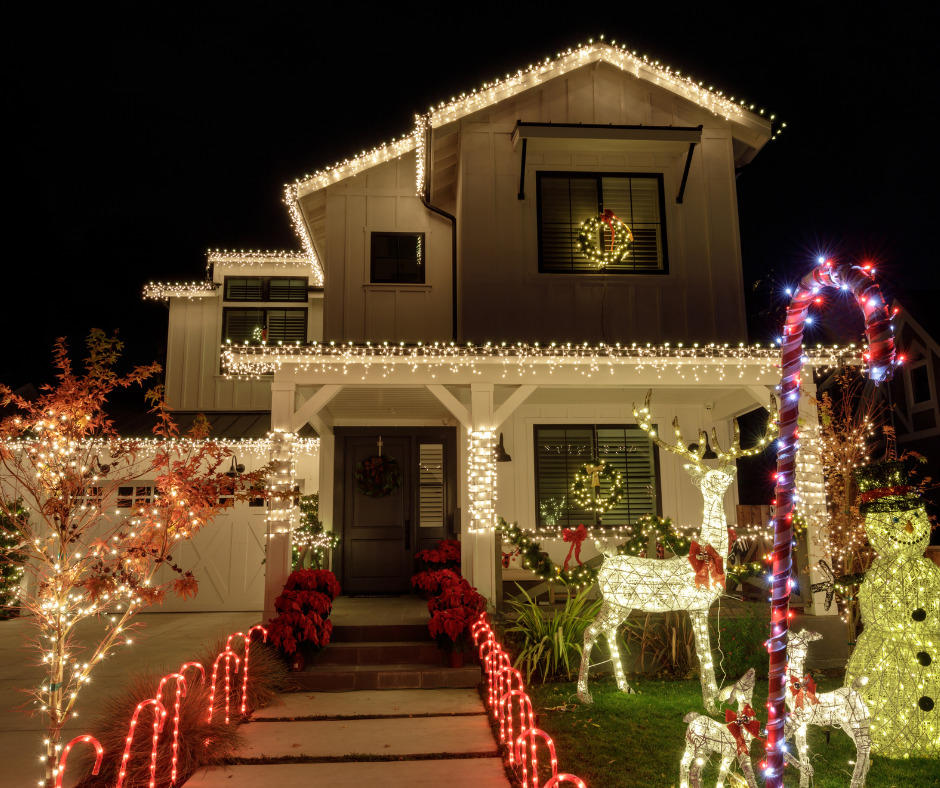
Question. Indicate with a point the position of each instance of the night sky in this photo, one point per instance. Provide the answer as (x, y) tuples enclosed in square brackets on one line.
[(141, 137)]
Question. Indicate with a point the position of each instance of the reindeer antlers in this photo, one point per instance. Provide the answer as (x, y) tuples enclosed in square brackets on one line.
[(724, 457)]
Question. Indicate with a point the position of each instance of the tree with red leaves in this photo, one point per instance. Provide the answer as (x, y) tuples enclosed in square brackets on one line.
[(86, 557)]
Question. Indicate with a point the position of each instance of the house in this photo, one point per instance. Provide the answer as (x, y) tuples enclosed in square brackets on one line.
[(443, 306)]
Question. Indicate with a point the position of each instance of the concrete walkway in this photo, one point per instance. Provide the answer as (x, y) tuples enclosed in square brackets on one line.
[(411, 738), (164, 642)]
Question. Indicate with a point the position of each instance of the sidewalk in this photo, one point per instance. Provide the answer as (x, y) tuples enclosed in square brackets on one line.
[(165, 641)]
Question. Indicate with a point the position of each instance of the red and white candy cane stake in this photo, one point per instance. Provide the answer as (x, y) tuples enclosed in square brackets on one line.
[(99, 753), (180, 680), (504, 680), (881, 362), (228, 656), (533, 735), (246, 639), (202, 670), (160, 714), (526, 717), (558, 779)]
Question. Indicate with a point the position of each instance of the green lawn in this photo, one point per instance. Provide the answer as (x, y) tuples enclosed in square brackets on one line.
[(637, 740)]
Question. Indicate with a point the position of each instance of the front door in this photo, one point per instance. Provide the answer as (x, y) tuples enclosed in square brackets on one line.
[(381, 534)]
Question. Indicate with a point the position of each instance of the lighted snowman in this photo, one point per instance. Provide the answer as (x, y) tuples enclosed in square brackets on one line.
[(899, 650)]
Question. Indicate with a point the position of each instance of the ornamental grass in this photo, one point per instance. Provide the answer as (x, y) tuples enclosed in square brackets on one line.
[(267, 672), (200, 742)]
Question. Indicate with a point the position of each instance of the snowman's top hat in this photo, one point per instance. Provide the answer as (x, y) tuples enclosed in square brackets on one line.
[(883, 487)]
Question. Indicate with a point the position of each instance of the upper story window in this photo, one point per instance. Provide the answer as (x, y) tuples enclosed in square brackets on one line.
[(259, 324), (562, 450), (566, 199), (265, 288), (920, 383), (397, 258)]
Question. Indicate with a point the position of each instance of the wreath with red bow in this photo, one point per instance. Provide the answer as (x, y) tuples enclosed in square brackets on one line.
[(378, 476)]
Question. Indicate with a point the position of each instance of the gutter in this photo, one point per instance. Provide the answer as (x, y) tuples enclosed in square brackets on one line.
[(426, 202)]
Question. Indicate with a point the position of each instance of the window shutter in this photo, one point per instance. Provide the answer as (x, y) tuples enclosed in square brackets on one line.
[(287, 325), (286, 289), (431, 485)]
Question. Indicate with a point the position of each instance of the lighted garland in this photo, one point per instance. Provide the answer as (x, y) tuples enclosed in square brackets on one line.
[(590, 477), (378, 476), (617, 251)]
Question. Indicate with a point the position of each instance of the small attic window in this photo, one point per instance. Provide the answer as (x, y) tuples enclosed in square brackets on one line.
[(397, 258), (265, 288)]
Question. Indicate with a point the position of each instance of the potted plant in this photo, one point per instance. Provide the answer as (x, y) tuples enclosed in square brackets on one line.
[(303, 624), (453, 610), (436, 565)]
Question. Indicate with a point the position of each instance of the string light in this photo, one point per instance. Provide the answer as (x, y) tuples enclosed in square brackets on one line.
[(227, 656), (160, 715), (86, 739), (180, 692), (482, 480)]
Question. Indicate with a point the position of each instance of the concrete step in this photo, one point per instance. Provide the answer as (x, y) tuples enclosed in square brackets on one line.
[(454, 773), (390, 738), (380, 653), (374, 703), (343, 678), (372, 633)]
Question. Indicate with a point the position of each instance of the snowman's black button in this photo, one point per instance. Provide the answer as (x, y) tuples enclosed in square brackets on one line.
[(919, 615), (924, 658), (926, 703)]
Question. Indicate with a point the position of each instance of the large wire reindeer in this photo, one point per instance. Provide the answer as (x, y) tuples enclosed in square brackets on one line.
[(690, 582)]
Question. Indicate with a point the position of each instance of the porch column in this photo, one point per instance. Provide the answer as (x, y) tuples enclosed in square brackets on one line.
[(277, 563), (480, 569)]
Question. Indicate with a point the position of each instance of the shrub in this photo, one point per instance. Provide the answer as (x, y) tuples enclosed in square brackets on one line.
[(738, 644), (267, 673), (549, 640), (304, 610), (663, 643), (445, 556), (430, 583)]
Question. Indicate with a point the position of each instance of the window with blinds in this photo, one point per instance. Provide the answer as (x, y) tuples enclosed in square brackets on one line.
[(265, 288), (560, 451), (431, 485), (261, 324), (567, 199)]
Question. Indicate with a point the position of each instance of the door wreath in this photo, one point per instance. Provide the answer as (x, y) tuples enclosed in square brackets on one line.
[(378, 476)]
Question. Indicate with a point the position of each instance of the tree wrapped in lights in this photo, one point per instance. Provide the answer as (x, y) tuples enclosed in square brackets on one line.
[(87, 558), (309, 541), (897, 653), (11, 561)]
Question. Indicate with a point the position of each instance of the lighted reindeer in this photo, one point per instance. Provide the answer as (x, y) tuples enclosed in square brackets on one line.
[(842, 708), (690, 582)]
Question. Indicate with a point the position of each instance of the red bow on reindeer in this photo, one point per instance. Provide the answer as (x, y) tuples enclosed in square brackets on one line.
[(803, 689), (738, 723), (706, 561), (575, 536)]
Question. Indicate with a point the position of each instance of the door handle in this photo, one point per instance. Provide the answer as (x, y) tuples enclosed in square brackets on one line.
[(407, 534)]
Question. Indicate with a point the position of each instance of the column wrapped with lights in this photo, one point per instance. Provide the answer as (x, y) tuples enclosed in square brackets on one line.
[(482, 480), (881, 361), (281, 482)]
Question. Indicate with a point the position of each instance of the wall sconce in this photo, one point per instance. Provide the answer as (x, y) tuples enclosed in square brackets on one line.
[(501, 455), (236, 469)]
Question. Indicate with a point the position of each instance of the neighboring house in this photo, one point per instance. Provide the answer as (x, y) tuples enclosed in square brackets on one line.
[(442, 304)]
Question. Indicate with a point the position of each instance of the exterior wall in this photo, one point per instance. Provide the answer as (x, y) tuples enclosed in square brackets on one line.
[(382, 199), (503, 297)]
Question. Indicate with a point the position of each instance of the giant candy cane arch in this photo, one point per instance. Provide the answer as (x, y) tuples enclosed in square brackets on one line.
[(881, 360)]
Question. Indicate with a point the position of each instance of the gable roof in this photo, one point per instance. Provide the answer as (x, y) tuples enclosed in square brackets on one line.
[(742, 116)]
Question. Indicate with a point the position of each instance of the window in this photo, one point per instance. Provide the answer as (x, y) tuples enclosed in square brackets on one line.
[(431, 485), (560, 451), (262, 324), (397, 258), (920, 384), (265, 288), (567, 199)]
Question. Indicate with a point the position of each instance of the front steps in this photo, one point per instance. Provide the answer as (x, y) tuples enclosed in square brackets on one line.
[(376, 657)]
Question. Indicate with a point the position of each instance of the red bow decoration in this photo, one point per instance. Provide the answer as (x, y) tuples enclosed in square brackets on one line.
[(737, 724), (575, 536), (806, 687), (732, 538), (705, 561), (610, 218)]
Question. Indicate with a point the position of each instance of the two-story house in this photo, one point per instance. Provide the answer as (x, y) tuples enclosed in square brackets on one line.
[(447, 312)]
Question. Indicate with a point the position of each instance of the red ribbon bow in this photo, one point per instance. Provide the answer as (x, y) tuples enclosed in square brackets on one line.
[(882, 492), (610, 218), (705, 561), (806, 687), (575, 536), (737, 724)]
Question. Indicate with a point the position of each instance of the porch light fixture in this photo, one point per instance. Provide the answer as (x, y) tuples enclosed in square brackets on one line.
[(709, 452), (237, 468), (501, 455)]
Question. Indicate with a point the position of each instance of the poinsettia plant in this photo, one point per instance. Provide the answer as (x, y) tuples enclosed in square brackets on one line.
[(304, 608), (445, 558), (453, 610)]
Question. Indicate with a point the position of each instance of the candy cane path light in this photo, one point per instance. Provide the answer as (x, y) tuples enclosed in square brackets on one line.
[(558, 779), (881, 361), (246, 639), (654, 585), (506, 675), (526, 717), (180, 692), (528, 756), (158, 711), (228, 656), (85, 738)]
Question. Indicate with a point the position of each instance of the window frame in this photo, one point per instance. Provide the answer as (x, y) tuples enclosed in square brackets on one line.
[(265, 290), (657, 474), (398, 233), (245, 306), (659, 177)]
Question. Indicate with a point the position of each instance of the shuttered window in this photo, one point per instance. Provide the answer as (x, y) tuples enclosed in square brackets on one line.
[(265, 288), (270, 325), (565, 200), (560, 451), (431, 485)]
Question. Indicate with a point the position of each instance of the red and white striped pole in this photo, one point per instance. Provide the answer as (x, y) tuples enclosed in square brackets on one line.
[(881, 362)]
